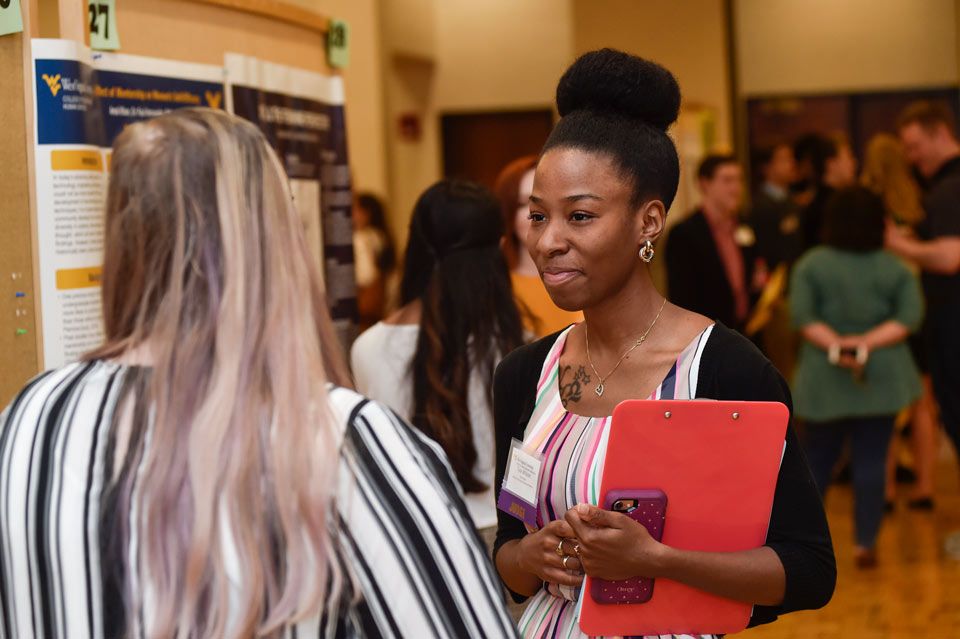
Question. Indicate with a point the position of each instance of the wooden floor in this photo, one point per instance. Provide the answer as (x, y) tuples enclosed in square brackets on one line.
[(914, 592)]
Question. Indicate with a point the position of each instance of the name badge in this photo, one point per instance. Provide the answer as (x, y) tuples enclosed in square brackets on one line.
[(521, 482)]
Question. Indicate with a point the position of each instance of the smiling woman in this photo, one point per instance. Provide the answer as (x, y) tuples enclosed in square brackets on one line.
[(602, 188)]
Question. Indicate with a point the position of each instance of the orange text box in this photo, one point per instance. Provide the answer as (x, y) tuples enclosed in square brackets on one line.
[(76, 161), (79, 277)]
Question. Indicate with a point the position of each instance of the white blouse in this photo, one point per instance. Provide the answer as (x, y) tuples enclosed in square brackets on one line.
[(381, 358)]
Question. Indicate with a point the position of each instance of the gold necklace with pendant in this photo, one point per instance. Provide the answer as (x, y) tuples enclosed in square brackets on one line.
[(586, 333)]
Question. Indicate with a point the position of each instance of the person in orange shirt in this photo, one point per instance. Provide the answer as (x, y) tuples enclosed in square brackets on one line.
[(513, 187)]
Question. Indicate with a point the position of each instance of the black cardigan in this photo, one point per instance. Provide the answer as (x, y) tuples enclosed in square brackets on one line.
[(732, 369)]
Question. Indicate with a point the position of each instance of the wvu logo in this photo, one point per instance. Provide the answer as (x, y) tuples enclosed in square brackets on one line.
[(213, 99), (53, 83)]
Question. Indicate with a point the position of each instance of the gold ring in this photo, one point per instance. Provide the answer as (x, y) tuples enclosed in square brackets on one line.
[(560, 547), (564, 561), (576, 549)]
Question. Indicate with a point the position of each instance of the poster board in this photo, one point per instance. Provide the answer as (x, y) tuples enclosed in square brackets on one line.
[(302, 115), (194, 31), (83, 100), (18, 317)]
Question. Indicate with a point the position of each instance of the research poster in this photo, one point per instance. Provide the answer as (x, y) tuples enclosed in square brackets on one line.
[(82, 101), (302, 115)]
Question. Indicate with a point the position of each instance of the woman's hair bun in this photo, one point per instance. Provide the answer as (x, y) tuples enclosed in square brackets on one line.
[(612, 81)]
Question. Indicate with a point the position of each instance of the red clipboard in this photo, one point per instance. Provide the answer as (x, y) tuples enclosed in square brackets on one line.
[(718, 463)]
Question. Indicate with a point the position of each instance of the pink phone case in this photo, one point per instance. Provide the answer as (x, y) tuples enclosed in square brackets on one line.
[(651, 511)]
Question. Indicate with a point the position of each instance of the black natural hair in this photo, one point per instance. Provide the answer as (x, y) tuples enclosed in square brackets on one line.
[(709, 165), (621, 105), (378, 220), (764, 155), (816, 149), (455, 268), (854, 220)]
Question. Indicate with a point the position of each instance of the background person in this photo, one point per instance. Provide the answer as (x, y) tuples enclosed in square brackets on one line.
[(605, 180), (826, 163), (433, 360), (375, 259), (710, 267), (513, 186), (205, 473), (927, 132), (774, 216), (775, 219), (855, 305), (887, 173)]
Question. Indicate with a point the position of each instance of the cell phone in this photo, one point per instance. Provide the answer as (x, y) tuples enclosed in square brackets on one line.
[(848, 351), (649, 508)]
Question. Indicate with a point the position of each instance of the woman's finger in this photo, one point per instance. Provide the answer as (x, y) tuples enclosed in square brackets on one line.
[(559, 527), (571, 563), (566, 563), (562, 577), (555, 544), (569, 546)]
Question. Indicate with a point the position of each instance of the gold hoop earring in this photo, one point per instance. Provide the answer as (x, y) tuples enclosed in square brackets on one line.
[(647, 252)]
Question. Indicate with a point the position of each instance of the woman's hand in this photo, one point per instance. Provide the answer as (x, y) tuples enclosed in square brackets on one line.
[(537, 554), (858, 360), (896, 237), (613, 546)]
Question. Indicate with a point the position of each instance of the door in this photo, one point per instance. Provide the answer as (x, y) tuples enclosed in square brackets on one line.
[(476, 146)]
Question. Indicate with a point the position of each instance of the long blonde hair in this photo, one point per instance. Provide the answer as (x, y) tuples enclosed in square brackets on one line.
[(234, 455), (886, 172)]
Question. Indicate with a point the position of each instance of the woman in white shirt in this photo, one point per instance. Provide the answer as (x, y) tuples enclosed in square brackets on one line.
[(374, 259), (433, 360)]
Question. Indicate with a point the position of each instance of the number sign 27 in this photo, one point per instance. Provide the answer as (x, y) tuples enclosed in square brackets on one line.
[(99, 15), (103, 24)]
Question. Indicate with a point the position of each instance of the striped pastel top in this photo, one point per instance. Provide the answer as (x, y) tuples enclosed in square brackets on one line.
[(573, 448), (405, 534)]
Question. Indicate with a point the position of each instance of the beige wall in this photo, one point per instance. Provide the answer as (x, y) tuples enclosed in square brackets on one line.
[(413, 164), (501, 53), (408, 32), (829, 45), (495, 54), (364, 89), (956, 31), (409, 27), (686, 37)]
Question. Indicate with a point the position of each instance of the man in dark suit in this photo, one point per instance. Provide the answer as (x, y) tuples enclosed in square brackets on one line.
[(710, 257), (774, 216), (827, 163)]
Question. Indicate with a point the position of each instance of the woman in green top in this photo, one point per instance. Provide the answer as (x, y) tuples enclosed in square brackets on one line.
[(855, 305)]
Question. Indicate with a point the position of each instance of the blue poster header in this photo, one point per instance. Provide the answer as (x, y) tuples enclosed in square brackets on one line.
[(79, 104)]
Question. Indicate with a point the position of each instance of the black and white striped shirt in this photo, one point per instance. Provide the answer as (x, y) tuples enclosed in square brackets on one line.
[(419, 566)]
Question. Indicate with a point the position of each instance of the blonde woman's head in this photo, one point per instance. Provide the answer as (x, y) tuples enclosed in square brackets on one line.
[(887, 173), (207, 269)]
